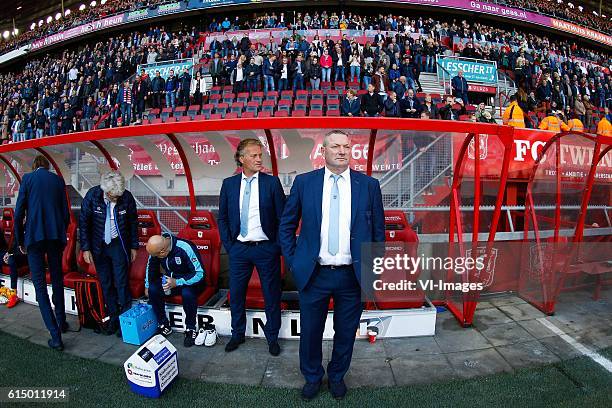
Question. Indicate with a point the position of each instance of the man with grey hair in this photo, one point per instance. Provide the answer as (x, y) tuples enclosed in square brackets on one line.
[(108, 228)]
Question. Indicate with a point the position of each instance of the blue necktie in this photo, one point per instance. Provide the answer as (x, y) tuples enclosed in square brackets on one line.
[(334, 212), (107, 225), (244, 211)]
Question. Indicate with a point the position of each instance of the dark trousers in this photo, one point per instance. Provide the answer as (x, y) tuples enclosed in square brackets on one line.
[(340, 284), (112, 267), (52, 249), (189, 293), (14, 261), (266, 258)]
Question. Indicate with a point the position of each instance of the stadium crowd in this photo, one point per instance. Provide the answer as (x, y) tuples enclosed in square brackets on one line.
[(70, 91)]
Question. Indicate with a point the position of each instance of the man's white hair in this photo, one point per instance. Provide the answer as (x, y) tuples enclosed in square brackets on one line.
[(113, 183)]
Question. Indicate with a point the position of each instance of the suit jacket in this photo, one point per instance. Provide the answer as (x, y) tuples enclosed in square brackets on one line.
[(271, 204), (459, 84), (304, 202), (42, 199), (351, 107)]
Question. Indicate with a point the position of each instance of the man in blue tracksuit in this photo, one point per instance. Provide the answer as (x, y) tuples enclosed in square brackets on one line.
[(108, 227), (182, 274)]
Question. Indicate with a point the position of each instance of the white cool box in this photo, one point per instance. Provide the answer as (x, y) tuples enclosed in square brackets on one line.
[(152, 367)]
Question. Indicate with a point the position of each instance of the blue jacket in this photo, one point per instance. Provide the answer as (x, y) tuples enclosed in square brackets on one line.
[(93, 219), (42, 202), (367, 222), (182, 263), (459, 84), (271, 205), (171, 84), (354, 107)]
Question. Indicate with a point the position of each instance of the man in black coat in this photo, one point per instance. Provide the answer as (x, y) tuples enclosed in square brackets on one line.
[(371, 102), (411, 107)]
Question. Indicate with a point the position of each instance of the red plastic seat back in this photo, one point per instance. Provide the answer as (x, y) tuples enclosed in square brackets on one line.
[(203, 231), (397, 227), (148, 225), (69, 254)]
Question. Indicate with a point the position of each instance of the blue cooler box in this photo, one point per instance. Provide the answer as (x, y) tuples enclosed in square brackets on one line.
[(138, 324)]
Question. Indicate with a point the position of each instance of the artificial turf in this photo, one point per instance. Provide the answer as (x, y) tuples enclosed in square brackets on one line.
[(574, 383)]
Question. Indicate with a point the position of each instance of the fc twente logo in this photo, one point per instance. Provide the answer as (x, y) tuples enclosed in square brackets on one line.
[(483, 147)]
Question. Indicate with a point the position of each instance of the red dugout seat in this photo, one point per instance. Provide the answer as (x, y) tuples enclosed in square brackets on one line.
[(203, 231), (8, 216), (148, 225), (397, 229)]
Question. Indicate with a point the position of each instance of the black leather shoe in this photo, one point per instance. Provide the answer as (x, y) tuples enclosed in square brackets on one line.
[(56, 344), (274, 349), (337, 390), (310, 390), (233, 344)]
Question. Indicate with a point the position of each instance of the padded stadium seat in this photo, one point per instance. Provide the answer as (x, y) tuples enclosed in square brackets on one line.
[(326, 86), (237, 108), (184, 118), (298, 113), (397, 229), (148, 225), (200, 117), (180, 110), (227, 89), (202, 230), (165, 114), (231, 115), (249, 115), (222, 108), (440, 105), (257, 96), (268, 105), (264, 114), (155, 121), (7, 227), (281, 114), (300, 105), (332, 95), (284, 104), (69, 254), (216, 116), (253, 106), (333, 112), (271, 96), (333, 105), (153, 114), (316, 104), (353, 85), (464, 118), (214, 99), (301, 95), (314, 112), (228, 98), (317, 94), (215, 90), (470, 109)]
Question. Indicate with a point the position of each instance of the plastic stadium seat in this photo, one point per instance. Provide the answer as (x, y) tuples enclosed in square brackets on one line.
[(248, 115), (440, 105), (202, 230), (193, 111), (243, 97), (201, 117), (155, 121), (184, 119), (227, 89), (316, 104), (229, 98), (326, 86), (264, 114), (332, 95), (231, 115), (421, 95), (216, 116), (222, 108), (214, 99), (268, 106), (300, 105), (215, 90), (298, 113), (353, 85), (317, 94), (257, 96), (301, 95), (281, 113), (165, 114), (285, 105), (207, 110), (237, 108), (464, 118), (333, 112), (315, 112), (153, 114), (271, 95), (287, 95), (397, 229), (253, 106), (333, 105), (180, 110)]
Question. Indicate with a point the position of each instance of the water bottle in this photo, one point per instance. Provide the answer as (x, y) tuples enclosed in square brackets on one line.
[(164, 280)]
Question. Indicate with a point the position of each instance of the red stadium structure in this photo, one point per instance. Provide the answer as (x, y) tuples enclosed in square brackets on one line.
[(472, 203)]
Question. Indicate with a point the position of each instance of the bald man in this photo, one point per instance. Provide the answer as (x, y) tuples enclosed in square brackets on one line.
[(177, 263)]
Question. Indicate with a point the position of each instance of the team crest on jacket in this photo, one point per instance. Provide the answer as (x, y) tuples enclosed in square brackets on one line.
[(177, 259)]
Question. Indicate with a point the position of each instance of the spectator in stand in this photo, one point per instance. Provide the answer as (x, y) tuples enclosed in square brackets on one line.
[(239, 76), (314, 73), (54, 115), (351, 105), (392, 106), (410, 106), (452, 111), (197, 88), (579, 109), (158, 87), (283, 80), (124, 100), (480, 114), (340, 62), (460, 87), (371, 102), (171, 88), (66, 116), (381, 82), (297, 71), (604, 127), (429, 107), (589, 108), (184, 85), (270, 67), (253, 75), (326, 66), (140, 90), (87, 117)]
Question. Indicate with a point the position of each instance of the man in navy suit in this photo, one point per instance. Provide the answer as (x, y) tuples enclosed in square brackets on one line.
[(460, 87), (340, 210), (250, 206), (42, 203)]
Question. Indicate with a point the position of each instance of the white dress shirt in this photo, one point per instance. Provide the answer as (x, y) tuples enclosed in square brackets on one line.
[(343, 257), (114, 233), (254, 224)]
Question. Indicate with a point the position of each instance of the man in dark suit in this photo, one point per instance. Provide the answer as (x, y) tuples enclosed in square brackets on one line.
[(250, 207), (350, 104), (410, 106), (371, 102), (108, 227), (43, 204), (340, 210), (460, 87)]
